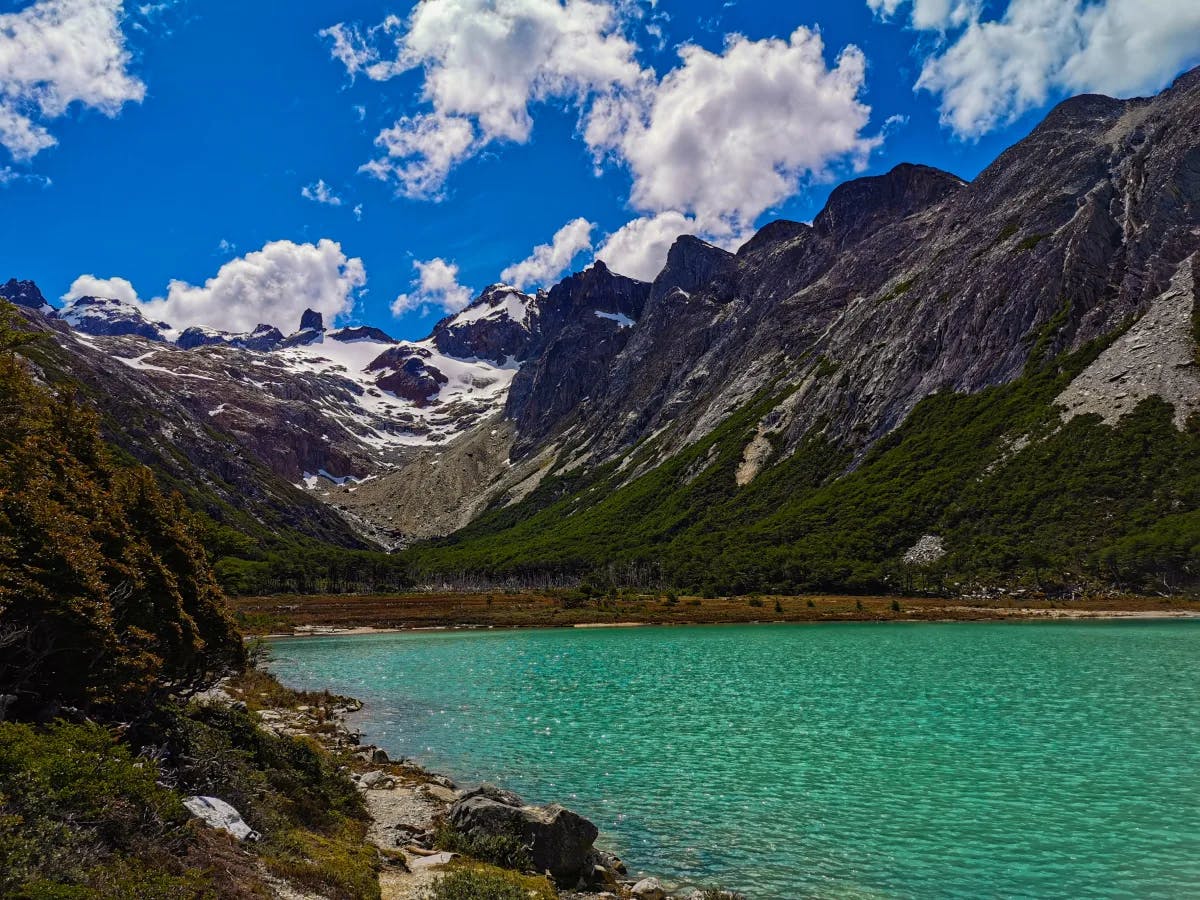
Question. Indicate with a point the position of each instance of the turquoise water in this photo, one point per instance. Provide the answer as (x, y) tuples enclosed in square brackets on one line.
[(848, 760)]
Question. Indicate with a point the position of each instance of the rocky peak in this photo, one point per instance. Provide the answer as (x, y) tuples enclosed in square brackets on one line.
[(497, 325), (312, 321), (262, 338), (109, 317), (773, 233), (1082, 111), (595, 288), (312, 330), (691, 264), (24, 293), (362, 333), (859, 207)]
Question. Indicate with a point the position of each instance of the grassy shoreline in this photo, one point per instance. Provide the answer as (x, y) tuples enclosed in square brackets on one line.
[(290, 614)]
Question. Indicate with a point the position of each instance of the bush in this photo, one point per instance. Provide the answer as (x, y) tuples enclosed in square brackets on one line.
[(756, 602), (895, 606), (80, 816), (508, 851), (489, 884), (778, 607)]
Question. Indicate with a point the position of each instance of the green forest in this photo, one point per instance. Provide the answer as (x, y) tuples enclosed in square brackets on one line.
[(111, 623), (1018, 498)]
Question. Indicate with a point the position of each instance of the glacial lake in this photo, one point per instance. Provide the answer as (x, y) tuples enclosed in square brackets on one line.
[(1050, 759)]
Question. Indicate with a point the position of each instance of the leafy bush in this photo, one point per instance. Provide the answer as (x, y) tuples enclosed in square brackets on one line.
[(479, 883), (80, 816), (507, 851)]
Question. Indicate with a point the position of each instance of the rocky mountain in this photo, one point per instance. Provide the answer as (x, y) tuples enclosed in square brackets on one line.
[(741, 383)]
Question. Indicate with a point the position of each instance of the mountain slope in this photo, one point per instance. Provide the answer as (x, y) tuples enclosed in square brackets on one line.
[(799, 415), (931, 362)]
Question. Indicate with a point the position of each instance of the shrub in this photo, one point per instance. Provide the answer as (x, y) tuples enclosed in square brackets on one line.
[(756, 601), (508, 851), (480, 883), (80, 816), (778, 607), (895, 606)]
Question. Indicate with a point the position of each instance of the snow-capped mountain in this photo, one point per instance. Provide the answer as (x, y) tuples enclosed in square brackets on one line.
[(108, 317)]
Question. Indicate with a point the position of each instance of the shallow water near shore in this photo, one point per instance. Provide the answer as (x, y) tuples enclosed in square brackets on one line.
[(1047, 759)]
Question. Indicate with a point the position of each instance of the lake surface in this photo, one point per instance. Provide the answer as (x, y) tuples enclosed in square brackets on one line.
[(833, 761)]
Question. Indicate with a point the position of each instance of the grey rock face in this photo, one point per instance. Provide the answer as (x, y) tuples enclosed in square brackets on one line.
[(560, 840), (576, 344), (24, 293), (311, 320), (907, 284), (500, 324)]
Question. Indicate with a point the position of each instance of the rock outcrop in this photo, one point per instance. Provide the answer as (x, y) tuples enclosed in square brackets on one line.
[(560, 841)]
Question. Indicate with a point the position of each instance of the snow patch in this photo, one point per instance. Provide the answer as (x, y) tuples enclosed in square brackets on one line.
[(622, 320)]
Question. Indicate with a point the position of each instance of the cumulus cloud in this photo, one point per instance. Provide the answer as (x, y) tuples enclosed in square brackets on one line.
[(484, 63), (435, 286), (55, 53), (989, 72), (725, 136), (321, 193), (710, 146), (548, 261), (272, 285), (110, 288)]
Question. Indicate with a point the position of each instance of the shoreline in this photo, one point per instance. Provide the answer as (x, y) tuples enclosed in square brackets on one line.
[(293, 615), (1013, 615), (407, 803)]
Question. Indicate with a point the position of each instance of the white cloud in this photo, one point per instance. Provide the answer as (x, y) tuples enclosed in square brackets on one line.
[(930, 14), (436, 285), (420, 151), (272, 285), (109, 288), (548, 261), (484, 63), (728, 135), (992, 71), (711, 145), (9, 175), (321, 193), (639, 248), (55, 53)]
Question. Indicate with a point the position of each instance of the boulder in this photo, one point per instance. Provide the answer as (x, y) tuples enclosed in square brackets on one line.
[(559, 840), (218, 814), (649, 889), (376, 781)]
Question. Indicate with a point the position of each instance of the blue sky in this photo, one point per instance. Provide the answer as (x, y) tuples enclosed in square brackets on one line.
[(243, 106)]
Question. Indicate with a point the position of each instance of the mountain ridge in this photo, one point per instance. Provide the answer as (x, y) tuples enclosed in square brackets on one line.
[(908, 286)]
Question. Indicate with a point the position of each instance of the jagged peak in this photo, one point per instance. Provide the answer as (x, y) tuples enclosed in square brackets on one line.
[(1188, 81), (24, 293), (312, 320), (691, 264), (858, 207)]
